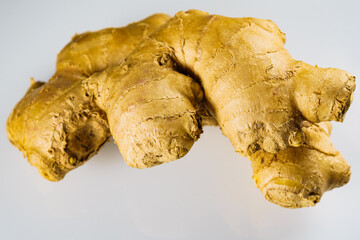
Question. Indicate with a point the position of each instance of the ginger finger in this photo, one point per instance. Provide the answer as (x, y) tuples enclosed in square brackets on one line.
[(152, 108), (56, 125), (298, 176)]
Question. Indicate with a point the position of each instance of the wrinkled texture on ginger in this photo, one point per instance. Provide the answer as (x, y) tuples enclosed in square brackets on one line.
[(57, 125), (154, 92)]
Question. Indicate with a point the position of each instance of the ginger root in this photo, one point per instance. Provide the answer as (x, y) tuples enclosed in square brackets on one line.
[(154, 92)]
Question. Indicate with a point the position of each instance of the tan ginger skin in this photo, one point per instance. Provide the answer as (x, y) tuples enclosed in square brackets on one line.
[(153, 92), (66, 127)]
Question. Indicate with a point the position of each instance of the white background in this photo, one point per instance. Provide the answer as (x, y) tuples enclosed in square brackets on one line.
[(209, 194)]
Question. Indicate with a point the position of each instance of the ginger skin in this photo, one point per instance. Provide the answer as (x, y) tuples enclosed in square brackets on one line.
[(56, 125), (153, 93)]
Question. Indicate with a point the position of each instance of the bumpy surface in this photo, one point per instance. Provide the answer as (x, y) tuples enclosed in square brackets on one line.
[(56, 125), (195, 69)]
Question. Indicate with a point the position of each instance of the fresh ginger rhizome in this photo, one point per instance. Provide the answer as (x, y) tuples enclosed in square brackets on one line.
[(154, 83)]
